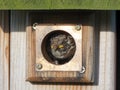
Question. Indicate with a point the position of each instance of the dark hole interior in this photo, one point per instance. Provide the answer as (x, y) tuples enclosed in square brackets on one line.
[(58, 47)]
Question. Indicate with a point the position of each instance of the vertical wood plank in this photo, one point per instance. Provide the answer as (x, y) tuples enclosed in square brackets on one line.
[(4, 50), (110, 53), (106, 79), (18, 41)]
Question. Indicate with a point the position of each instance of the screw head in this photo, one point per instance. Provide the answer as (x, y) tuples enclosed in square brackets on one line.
[(78, 27), (34, 26), (39, 66), (83, 70)]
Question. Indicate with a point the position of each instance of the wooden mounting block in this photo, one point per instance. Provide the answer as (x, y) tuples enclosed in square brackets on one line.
[(41, 66)]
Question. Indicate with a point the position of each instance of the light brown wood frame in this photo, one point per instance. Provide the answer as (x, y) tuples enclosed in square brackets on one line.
[(90, 50)]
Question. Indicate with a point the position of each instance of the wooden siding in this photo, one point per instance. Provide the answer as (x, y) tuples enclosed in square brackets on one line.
[(4, 50), (106, 56)]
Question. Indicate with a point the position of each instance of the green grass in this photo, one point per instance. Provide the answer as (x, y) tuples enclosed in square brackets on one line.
[(60, 4)]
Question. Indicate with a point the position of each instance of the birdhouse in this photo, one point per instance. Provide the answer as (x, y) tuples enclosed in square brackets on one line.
[(59, 44)]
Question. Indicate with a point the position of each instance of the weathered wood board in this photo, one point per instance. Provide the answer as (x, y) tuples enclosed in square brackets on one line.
[(4, 50)]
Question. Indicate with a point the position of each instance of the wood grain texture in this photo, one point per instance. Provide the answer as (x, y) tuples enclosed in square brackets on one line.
[(106, 56), (60, 4), (4, 50)]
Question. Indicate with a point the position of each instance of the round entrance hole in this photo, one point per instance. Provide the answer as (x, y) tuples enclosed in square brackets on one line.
[(58, 47)]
